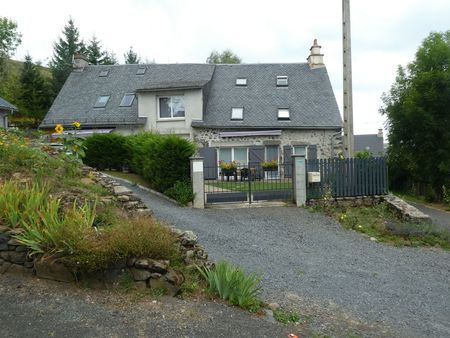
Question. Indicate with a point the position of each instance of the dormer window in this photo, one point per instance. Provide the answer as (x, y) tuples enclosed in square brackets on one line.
[(103, 73), (101, 101), (237, 113), (141, 71), (127, 100), (282, 81), (283, 114), (241, 82)]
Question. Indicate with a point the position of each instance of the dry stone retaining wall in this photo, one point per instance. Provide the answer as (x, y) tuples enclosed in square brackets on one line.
[(146, 272)]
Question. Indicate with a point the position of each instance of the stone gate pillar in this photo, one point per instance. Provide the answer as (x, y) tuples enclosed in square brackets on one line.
[(198, 182), (299, 176)]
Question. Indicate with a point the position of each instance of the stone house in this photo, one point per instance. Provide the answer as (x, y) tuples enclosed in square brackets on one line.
[(373, 143), (6, 109), (243, 112)]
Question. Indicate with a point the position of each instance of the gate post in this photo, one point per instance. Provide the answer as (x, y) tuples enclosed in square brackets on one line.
[(198, 182), (299, 176)]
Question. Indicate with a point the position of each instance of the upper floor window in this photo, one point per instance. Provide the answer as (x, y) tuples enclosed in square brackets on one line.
[(101, 101), (127, 100), (171, 107), (283, 114), (237, 113), (241, 81), (103, 73), (141, 71), (282, 81)]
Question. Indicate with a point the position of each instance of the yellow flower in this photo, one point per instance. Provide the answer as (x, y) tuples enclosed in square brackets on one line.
[(59, 128), (76, 124)]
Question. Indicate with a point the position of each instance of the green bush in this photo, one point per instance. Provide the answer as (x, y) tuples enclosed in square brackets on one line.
[(107, 151), (181, 192), (233, 284), (169, 162), (141, 146)]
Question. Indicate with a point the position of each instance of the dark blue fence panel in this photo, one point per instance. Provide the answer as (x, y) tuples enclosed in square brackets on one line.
[(349, 177)]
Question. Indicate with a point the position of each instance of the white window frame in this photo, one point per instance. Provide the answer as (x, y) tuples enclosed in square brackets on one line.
[(171, 118), (106, 103), (241, 82), (284, 118), (232, 154), (237, 109), (123, 98), (282, 81), (300, 146)]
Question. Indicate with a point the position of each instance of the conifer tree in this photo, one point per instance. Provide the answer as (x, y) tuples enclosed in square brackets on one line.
[(94, 52), (36, 96), (63, 51), (131, 57)]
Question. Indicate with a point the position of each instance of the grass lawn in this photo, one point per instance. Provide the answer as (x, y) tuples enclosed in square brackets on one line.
[(380, 222), (134, 178), (243, 186)]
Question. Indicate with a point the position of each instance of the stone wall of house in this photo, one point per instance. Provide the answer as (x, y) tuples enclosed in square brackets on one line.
[(328, 144)]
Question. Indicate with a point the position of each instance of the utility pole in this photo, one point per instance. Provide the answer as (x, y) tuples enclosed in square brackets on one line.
[(348, 91)]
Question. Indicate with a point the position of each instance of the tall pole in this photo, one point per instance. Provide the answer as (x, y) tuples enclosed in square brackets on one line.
[(348, 92)]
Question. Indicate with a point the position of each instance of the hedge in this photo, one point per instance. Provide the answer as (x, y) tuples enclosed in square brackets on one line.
[(107, 151)]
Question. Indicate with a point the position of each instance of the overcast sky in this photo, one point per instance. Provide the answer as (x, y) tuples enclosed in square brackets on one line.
[(385, 33)]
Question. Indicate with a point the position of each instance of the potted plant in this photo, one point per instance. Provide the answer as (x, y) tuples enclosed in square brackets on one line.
[(228, 168), (270, 165)]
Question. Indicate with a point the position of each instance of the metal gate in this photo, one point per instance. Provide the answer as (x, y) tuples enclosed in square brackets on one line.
[(231, 183)]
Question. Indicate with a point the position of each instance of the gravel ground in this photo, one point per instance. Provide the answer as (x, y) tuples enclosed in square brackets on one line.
[(331, 274), (30, 307), (439, 217)]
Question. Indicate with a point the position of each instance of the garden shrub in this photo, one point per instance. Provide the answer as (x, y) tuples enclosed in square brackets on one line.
[(181, 192), (141, 146), (168, 163), (107, 151)]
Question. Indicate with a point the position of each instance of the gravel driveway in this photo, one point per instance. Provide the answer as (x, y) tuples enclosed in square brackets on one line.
[(310, 262), (439, 217)]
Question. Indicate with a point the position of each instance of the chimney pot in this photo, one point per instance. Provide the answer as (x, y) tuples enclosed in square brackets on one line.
[(79, 62), (315, 59)]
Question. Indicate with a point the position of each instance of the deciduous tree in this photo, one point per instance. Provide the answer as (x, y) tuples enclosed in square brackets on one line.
[(418, 116), (226, 56)]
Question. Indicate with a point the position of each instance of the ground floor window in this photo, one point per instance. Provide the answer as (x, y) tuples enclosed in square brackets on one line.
[(237, 154)]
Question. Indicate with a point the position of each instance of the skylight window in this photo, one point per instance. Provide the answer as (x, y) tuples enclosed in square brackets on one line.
[(237, 113), (101, 101), (103, 73), (141, 71), (283, 114), (127, 100), (241, 82), (282, 81)]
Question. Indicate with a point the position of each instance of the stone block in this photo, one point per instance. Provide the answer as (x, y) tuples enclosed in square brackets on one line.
[(14, 257), (152, 265), (160, 283), (4, 229), (174, 277), (121, 190), (3, 246), (140, 274), (53, 269)]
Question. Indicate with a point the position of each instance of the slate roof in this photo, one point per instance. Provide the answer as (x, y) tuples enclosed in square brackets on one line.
[(309, 97), (76, 99), (371, 142), (5, 105)]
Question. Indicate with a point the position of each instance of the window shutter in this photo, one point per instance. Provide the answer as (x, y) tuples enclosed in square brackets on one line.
[(209, 163)]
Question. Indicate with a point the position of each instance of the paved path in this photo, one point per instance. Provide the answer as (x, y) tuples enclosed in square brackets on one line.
[(439, 217), (309, 261)]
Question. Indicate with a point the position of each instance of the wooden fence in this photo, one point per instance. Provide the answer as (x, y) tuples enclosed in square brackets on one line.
[(349, 177)]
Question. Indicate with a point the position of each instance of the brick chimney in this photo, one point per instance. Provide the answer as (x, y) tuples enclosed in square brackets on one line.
[(79, 61), (315, 59)]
